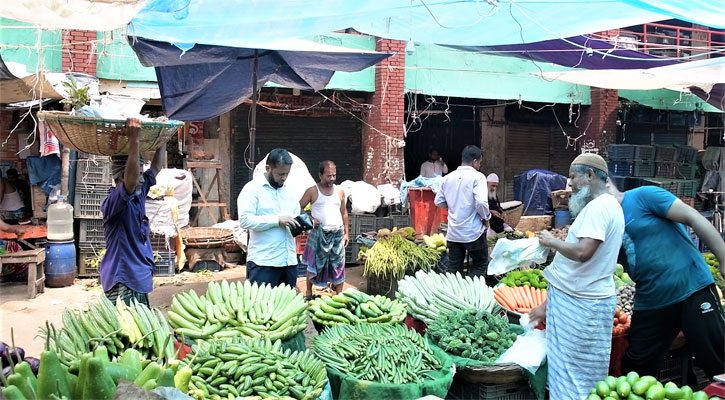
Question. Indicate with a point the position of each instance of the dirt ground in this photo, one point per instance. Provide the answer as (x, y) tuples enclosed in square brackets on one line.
[(25, 316)]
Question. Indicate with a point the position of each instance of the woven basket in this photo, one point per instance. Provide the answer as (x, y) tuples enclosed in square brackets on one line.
[(512, 212), (206, 238), (493, 374), (105, 136)]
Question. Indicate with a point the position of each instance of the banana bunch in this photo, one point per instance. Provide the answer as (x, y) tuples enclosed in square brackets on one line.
[(117, 327), (436, 241)]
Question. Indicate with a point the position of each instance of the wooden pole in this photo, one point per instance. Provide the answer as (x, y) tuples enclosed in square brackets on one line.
[(225, 146), (65, 171), (253, 123)]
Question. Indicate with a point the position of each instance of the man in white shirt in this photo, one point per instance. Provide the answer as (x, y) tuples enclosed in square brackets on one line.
[(581, 297), (464, 193), (267, 208), (434, 166)]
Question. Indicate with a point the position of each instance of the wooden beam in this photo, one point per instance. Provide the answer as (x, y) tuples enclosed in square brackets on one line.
[(225, 158)]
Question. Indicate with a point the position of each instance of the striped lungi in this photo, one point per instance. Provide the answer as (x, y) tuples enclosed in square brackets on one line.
[(578, 341)]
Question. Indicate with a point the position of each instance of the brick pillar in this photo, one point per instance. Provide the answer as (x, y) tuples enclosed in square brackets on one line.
[(603, 111), (383, 140), (79, 51)]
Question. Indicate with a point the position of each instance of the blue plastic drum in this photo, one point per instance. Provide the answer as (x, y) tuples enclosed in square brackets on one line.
[(60, 264)]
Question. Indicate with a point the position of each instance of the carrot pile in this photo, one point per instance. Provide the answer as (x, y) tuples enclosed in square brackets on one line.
[(519, 298)]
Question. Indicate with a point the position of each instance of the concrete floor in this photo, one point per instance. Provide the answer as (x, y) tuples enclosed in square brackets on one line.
[(25, 316)]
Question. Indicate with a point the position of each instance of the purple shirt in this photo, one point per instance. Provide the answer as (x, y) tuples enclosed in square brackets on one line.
[(129, 259)]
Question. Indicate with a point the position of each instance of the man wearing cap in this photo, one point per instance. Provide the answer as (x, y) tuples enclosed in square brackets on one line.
[(582, 298), (675, 289), (496, 223), (464, 193), (127, 266)]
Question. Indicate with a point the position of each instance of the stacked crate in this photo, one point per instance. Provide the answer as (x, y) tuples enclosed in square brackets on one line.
[(686, 162), (93, 183), (357, 225), (164, 249), (625, 160), (666, 162)]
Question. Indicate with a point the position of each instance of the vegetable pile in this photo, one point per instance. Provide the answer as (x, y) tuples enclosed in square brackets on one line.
[(429, 294), (394, 255), (239, 310), (407, 232), (625, 298), (635, 387), (93, 376), (377, 352), (119, 327), (472, 334), (714, 266), (622, 322), (353, 307), (436, 241), (520, 298), (243, 367), (621, 278), (525, 277)]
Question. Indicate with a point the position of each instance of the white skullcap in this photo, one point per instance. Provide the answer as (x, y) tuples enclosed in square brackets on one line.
[(493, 178)]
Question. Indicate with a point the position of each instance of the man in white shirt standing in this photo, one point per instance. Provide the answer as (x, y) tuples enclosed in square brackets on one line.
[(582, 298), (267, 208), (434, 166), (464, 193)]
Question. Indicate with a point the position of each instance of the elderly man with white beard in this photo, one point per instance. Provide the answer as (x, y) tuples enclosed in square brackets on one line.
[(582, 298)]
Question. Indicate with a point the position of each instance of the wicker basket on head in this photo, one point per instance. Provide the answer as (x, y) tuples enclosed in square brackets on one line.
[(206, 238), (512, 211), (105, 136)]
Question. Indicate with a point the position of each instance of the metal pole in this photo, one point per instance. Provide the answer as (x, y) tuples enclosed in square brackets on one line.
[(253, 123)]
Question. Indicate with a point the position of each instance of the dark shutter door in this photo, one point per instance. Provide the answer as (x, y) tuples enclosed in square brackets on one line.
[(527, 147), (311, 138)]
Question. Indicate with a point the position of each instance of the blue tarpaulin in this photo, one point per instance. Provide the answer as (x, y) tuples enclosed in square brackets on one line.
[(239, 23), (534, 187), (205, 81)]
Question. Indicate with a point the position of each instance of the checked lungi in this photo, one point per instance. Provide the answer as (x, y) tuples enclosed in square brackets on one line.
[(578, 341), (324, 256)]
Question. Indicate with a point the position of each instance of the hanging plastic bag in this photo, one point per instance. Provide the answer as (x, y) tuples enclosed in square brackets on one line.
[(508, 255), (528, 351)]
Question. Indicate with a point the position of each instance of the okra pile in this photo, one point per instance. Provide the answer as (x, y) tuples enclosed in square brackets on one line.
[(353, 307), (242, 367), (477, 335), (231, 310), (377, 352)]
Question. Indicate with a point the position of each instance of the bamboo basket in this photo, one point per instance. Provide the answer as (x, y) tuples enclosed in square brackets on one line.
[(512, 211), (206, 238), (105, 136)]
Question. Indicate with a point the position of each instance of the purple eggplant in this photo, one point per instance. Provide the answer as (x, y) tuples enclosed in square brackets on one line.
[(3, 349), (7, 371), (34, 364), (17, 354)]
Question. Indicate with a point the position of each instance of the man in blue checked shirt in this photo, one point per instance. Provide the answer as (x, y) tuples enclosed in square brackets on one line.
[(267, 208)]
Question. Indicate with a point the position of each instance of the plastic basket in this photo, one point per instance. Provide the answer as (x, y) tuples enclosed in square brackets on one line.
[(687, 188), (382, 286), (644, 169), (91, 232), (93, 171), (300, 243), (675, 367), (620, 152), (105, 136), (686, 154), (666, 153), (666, 169), (164, 264), (620, 168), (85, 255), (667, 184), (383, 223), (644, 153), (401, 221), (351, 252), (461, 390), (88, 200), (362, 223), (686, 171), (159, 243)]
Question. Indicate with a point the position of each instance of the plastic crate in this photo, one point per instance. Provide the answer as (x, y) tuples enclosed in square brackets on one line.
[(164, 264), (461, 390), (86, 253), (362, 223), (401, 221), (675, 367), (686, 171), (687, 188), (620, 168), (91, 232), (686, 154), (644, 169), (300, 243), (620, 152), (644, 153), (382, 286), (93, 171), (88, 200), (667, 184), (666, 169), (666, 153), (383, 223), (351, 252)]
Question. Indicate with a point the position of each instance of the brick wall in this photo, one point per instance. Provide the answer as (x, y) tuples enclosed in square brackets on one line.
[(383, 139), (79, 51), (603, 111)]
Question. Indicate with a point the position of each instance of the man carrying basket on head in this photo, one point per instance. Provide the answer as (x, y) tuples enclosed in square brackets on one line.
[(129, 262)]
